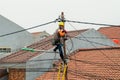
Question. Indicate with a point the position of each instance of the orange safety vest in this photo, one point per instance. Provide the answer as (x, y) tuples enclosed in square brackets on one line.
[(61, 33)]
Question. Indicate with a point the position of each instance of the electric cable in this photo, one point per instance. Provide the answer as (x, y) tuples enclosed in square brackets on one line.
[(94, 42), (54, 66), (100, 24), (99, 50), (54, 21), (23, 52), (27, 28), (74, 55), (102, 52), (97, 64), (88, 75), (39, 69), (84, 38)]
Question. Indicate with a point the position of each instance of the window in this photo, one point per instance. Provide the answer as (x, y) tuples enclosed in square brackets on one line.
[(5, 50)]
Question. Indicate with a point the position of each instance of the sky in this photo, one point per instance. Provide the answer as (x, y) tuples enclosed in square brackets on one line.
[(29, 13)]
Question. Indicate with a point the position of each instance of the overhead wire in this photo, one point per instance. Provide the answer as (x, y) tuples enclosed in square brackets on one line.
[(100, 24), (74, 55), (39, 70), (88, 37), (99, 50), (55, 21), (100, 37), (88, 41), (76, 71), (54, 66), (43, 60), (88, 75), (94, 42), (26, 52), (27, 28), (72, 46), (104, 25), (95, 63)]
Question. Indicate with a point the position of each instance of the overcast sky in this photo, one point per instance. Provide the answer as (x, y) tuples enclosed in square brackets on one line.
[(29, 13)]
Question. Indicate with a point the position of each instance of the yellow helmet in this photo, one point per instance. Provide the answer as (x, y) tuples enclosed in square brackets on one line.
[(61, 23)]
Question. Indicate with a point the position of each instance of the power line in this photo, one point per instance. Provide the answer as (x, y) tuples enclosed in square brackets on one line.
[(28, 28), (38, 70), (95, 46), (90, 23), (52, 22), (103, 52), (91, 36), (83, 38), (97, 64), (98, 37), (88, 75), (93, 42), (72, 47)]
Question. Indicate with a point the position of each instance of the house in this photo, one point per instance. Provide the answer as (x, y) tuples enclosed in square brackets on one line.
[(111, 32), (3, 74), (28, 65), (10, 42), (39, 35), (90, 64)]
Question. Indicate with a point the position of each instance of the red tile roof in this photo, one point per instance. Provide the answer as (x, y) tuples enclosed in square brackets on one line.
[(91, 64), (34, 33), (111, 32), (45, 44), (38, 33)]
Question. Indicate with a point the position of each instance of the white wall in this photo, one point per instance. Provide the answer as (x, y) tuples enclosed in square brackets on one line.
[(14, 41)]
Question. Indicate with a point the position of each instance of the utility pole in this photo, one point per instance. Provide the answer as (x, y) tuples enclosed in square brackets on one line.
[(64, 44)]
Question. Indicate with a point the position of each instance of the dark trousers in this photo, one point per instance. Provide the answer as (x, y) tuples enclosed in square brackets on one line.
[(59, 47)]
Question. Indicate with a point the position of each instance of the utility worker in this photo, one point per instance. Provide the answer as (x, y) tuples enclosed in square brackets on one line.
[(59, 37)]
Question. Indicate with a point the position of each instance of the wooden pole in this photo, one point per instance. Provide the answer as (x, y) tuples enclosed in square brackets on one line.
[(64, 45)]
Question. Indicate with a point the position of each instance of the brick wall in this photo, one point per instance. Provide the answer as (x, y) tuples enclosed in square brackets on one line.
[(16, 74), (3, 72)]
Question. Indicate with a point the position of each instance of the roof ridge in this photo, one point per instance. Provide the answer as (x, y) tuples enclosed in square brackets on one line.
[(103, 48), (78, 30), (109, 27), (38, 45), (90, 49)]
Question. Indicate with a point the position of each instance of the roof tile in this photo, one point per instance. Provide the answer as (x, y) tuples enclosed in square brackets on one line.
[(95, 64), (45, 44), (111, 32)]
